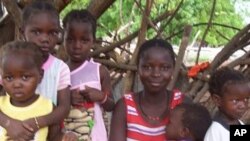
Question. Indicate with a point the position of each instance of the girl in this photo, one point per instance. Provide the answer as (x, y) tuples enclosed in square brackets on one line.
[(230, 91), (41, 26), (188, 122), (143, 115), (90, 80), (21, 70)]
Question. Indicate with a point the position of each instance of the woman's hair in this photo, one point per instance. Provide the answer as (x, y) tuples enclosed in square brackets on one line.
[(29, 50), (80, 16), (223, 77), (36, 7), (155, 43), (196, 118)]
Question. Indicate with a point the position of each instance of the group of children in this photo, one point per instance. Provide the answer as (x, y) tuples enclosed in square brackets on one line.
[(42, 89)]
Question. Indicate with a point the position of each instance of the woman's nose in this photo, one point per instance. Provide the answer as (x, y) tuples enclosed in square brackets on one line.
[(156, 72)]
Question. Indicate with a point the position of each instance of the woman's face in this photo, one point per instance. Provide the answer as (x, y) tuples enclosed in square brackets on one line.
[(155, 69)]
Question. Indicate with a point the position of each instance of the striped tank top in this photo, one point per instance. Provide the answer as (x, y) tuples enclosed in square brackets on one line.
[(140, 130)]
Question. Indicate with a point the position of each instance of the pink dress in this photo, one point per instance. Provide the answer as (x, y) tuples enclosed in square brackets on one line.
[(88, 74)]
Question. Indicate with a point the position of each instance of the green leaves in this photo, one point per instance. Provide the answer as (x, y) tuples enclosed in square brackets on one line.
[(124, 17)]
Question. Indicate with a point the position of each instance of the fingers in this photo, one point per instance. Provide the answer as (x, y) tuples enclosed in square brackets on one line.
[(76, 97), (26, 126)]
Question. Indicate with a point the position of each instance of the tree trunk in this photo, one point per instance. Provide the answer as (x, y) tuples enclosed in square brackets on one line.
[(98, 7)]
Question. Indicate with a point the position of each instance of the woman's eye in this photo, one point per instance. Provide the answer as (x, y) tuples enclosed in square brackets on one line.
[(147, 67)]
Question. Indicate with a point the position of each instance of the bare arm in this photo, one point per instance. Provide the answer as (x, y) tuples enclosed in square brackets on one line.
[(118, 122), (60, 112), (107, 88)]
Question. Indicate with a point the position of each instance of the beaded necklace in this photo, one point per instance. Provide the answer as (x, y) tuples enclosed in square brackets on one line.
[(154, 118)]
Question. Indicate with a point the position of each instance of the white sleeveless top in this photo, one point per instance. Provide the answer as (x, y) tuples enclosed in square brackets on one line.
[(89, 74), (56, 77)]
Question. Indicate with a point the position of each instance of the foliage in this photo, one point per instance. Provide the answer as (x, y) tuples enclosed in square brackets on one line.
[(75, 4), (124, 17)]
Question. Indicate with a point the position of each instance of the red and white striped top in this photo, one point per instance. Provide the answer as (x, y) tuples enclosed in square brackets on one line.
[(140, 130)]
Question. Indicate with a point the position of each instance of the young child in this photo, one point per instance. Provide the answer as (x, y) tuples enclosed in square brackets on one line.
[(41, 26), (91, 84), (21, 71), (188, 122), (230, 91), (143, 115)]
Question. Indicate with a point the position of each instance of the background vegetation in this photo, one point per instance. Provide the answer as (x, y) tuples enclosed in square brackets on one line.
[(124, 17)]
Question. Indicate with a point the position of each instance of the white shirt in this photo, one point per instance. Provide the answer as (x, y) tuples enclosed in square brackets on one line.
[(217, 132)]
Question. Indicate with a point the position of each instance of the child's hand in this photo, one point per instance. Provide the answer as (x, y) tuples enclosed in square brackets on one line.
[(76, 97), (92, 94), (30, 124), (69, 136), (16, 131)]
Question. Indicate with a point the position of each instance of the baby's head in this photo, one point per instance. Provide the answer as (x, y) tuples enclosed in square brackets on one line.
[(230, 91), (40, 25), (79, 34), (188, 121), (21, 69)]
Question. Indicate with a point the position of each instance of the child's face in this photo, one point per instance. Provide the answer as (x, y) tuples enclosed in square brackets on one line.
[(175, 129), (42, 29), (155, 69), (234, 101), (78, 40), (20, 78)]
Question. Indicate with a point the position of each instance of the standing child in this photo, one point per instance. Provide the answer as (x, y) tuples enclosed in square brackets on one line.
[(41, 26), (230, 92), (143, 115), (91, 86), (21, 70), (188, 122)]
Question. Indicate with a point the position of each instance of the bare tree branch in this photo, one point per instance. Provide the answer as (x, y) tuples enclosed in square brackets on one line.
[(98, 7), (179, 60), (129, 37), (141, 38), (14, 11), (115, 65), (170, 19), (206, 31)]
